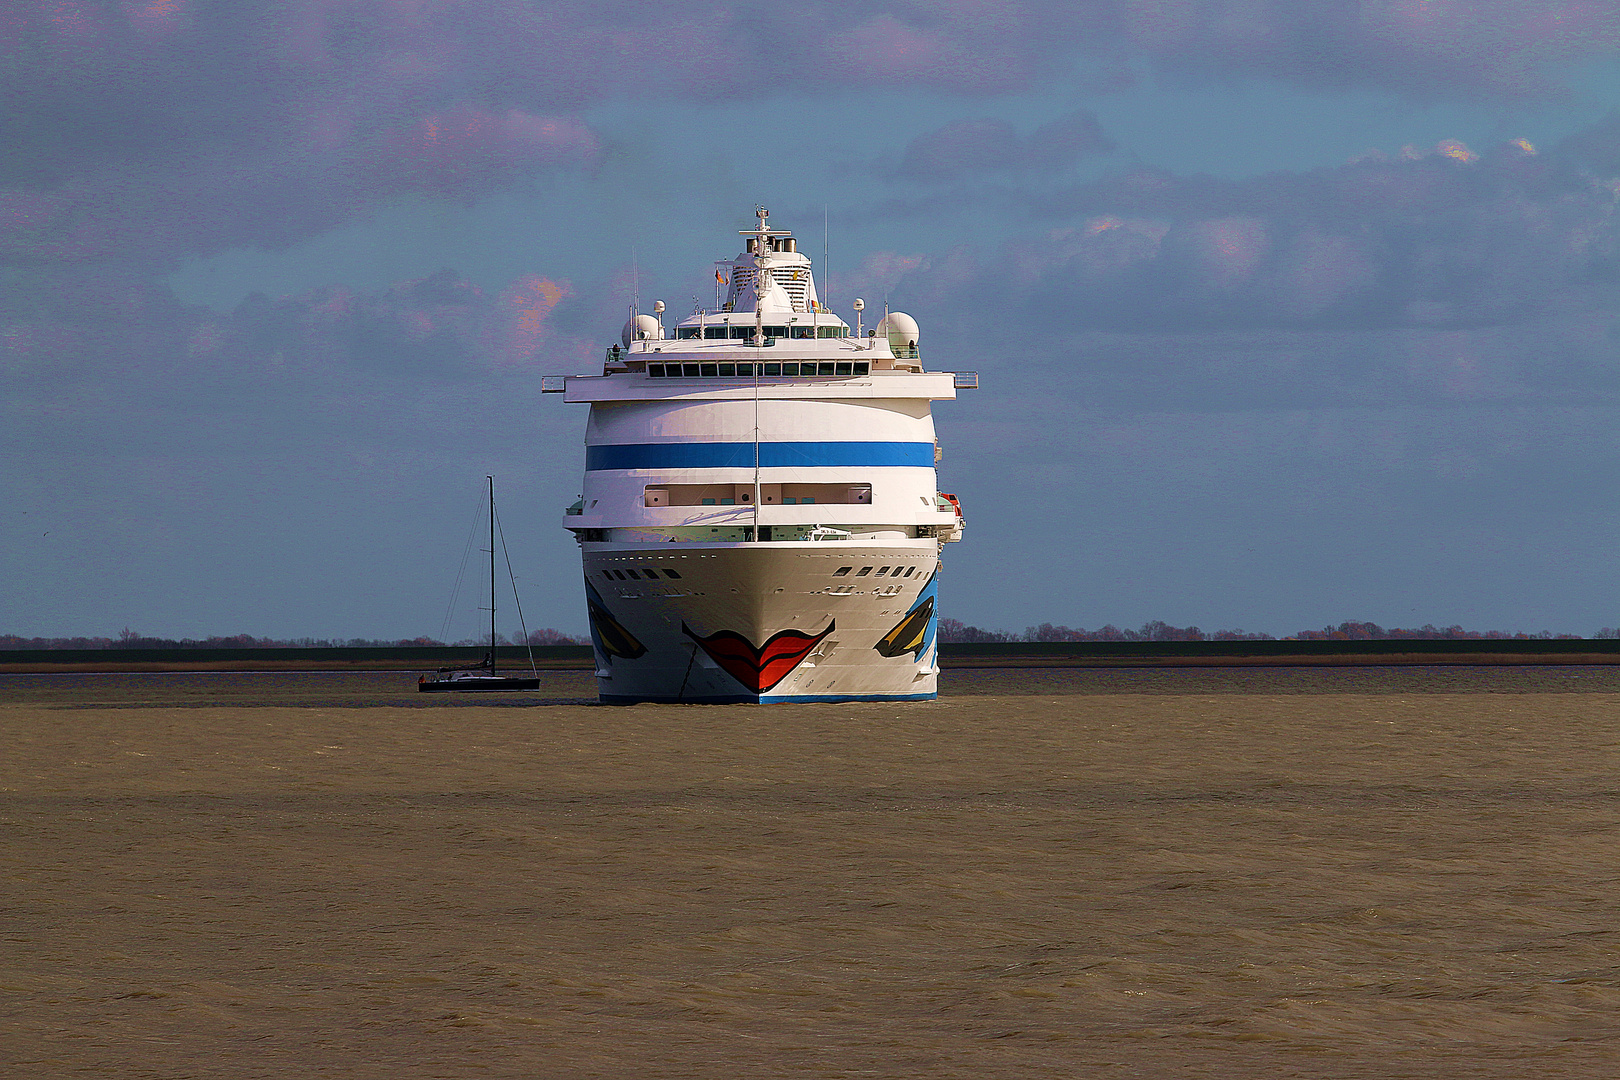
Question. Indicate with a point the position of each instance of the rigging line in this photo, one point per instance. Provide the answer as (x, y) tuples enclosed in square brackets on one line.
[(681, 693), (461, 572), (516, 600), (756, 444)]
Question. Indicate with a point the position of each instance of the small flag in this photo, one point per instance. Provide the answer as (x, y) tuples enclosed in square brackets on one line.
[(718, 276)]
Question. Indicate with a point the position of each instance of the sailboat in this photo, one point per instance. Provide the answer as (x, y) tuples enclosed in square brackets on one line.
[(481, 676)]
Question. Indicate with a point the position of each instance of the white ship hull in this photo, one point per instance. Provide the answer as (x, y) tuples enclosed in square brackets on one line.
[(760, 519), (764, 622)]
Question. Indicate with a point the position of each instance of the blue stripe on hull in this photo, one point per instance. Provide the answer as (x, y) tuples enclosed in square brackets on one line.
[(772, 455), (751, 699)]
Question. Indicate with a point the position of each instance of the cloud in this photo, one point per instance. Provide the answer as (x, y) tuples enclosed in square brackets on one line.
[(1446, 238), (988, 145), (155, 132), (1453, 278), (136, 335), (1432, 48), (145, 135), (879, 272), (466, 151)]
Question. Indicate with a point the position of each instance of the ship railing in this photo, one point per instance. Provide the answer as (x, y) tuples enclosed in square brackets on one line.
[(906, 352), (965, 380)]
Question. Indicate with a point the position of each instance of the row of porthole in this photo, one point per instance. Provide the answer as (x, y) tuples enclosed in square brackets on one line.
[(652, 575), (843, 571)]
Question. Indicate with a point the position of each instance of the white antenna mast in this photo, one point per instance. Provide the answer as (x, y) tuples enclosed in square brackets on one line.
[(761, 276), (761, 279)]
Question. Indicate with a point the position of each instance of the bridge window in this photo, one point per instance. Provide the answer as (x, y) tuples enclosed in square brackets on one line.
[(841, 368)]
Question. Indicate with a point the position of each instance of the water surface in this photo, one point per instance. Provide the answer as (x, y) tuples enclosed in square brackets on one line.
[(1383, 872)]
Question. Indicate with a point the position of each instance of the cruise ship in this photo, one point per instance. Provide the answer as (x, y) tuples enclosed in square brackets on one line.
[(761, 520)]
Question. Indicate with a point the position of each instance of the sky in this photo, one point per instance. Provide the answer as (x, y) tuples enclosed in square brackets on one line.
[(1285, 312)]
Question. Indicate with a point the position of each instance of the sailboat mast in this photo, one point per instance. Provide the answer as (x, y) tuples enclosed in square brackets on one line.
[(491, 574)]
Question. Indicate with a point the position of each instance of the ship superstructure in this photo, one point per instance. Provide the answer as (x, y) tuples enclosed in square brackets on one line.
[(760, 518)]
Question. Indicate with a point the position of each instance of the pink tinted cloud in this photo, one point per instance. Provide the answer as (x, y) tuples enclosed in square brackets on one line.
[(1229, 250), (171, 129), (441, 326), (527, 303), (469, 151)]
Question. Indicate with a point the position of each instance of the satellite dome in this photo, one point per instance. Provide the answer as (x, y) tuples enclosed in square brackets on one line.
[(900, 329), (641, 328)]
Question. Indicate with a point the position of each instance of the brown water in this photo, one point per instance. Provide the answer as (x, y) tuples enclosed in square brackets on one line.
[(1368, 873)]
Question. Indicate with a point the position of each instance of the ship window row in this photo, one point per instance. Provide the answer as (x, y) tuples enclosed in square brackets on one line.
[(652, 575), (746, 371), (769, 494), (843, 571), (744, 332)]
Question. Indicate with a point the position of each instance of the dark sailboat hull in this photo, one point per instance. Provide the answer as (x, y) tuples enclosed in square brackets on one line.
[(476, 685)]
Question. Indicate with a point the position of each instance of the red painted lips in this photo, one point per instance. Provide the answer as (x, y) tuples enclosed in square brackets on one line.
[(762, 668)]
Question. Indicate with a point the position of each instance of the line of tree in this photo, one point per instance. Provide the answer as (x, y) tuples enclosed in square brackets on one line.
[(953, 630), (129, 639), (950, 631)]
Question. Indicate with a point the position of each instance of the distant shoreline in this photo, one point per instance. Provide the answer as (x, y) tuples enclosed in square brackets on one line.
[(1403, 652)]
